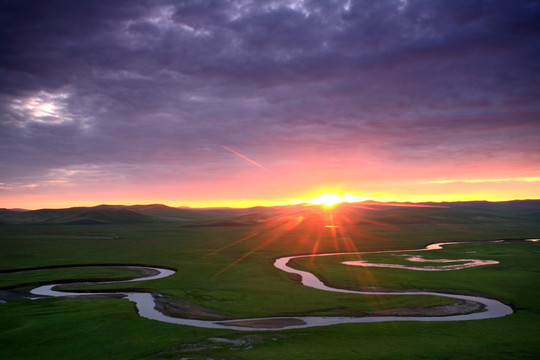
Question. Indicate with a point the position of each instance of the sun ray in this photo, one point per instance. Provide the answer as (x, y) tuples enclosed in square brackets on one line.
[(231, 244), (273, 230)]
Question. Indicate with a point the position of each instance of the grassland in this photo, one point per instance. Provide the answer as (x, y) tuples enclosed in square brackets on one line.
[(228, 269)]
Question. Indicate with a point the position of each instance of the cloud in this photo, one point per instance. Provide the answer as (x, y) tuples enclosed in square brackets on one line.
[(526, 179), (160, 86)]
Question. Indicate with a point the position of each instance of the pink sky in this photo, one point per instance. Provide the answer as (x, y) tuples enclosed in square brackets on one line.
[(264, 103)]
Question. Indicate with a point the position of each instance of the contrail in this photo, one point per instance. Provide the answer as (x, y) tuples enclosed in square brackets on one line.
[(246, 158)]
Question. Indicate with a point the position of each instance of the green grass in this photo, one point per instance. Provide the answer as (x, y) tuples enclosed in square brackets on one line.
[(36, 277), (240, 281), (87, 329), (515, 280)]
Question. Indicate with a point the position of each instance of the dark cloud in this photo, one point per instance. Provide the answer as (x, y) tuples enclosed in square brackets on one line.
[(145, 82)]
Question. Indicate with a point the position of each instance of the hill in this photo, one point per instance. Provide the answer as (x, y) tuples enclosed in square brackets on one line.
[(368, 212)]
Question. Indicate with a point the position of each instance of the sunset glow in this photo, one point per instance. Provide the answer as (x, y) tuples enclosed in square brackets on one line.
[(303, 103)]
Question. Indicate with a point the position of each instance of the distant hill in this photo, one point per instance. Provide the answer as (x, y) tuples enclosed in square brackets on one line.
[(121, 214), (368, 212), (77, 215), (454, 212)]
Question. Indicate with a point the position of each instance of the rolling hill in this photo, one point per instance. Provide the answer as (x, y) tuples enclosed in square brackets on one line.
[(368, 212)]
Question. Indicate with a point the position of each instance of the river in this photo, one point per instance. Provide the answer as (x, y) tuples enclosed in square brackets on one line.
[(146, 306)]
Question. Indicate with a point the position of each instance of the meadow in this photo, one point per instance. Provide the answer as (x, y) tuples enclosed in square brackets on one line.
[(226, 269)]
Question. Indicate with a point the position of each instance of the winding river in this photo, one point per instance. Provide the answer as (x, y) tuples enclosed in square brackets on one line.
[(146, 306)]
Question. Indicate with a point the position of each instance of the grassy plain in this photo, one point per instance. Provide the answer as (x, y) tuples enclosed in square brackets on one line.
[(228, 269)]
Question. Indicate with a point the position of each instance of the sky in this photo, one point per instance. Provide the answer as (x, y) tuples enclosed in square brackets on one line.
[(241, 103)]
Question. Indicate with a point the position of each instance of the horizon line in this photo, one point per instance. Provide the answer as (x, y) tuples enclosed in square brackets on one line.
[(387, 203)]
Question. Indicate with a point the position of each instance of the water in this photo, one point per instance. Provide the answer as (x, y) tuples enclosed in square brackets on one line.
[(146, 306)]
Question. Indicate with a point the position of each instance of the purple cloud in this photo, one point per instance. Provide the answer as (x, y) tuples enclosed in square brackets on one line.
[(84, 84)]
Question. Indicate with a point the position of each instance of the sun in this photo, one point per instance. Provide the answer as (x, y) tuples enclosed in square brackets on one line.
[(328, 199), (331, 199)]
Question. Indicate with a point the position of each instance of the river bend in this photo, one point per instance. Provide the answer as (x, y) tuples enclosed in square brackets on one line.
[(146, 306)]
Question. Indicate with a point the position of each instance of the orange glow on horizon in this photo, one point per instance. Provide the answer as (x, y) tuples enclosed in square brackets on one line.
[(54, 202), (256, 193)]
